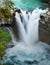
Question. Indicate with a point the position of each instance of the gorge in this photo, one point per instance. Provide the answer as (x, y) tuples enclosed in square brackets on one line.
[(28, 50), (24, 31)]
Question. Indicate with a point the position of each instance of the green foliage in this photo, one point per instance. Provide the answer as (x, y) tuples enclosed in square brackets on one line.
[(4, 36), (2, 50)]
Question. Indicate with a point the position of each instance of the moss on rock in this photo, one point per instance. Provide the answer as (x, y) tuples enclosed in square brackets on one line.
[(4, 36)]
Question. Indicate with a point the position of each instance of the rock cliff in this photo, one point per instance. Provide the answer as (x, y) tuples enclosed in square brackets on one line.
[(44, 27)]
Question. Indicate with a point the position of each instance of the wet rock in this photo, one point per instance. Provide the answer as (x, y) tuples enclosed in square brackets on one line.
[(43, 15), (31, 62), (9, 45), (17, 10), (28, 62), (46, 1), (44, 27), (48, 13)]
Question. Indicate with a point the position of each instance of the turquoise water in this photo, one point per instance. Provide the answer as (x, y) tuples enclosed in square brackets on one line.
[(27, 4)]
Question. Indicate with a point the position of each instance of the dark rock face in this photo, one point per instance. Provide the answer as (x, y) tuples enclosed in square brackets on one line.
[(44, 27), (14, 27), (46, 1), (17, 10)]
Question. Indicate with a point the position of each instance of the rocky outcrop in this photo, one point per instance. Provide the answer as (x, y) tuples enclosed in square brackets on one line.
[(17, 10), (6, 23), (9, 20), (44, 27)]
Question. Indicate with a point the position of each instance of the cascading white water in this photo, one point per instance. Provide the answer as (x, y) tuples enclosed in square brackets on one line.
[(21, 29), (33, 26), (28, 49), (12, 35)]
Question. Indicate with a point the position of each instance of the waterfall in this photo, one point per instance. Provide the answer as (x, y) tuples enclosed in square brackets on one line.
[(12, 35), (29, 48), (33, 26), (31, 22), (21, 29)]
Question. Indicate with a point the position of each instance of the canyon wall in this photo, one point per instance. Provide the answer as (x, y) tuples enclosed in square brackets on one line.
[(44, 27)]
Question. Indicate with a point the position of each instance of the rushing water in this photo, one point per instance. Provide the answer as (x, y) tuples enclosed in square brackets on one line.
[(28, 4), (29, 50)]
